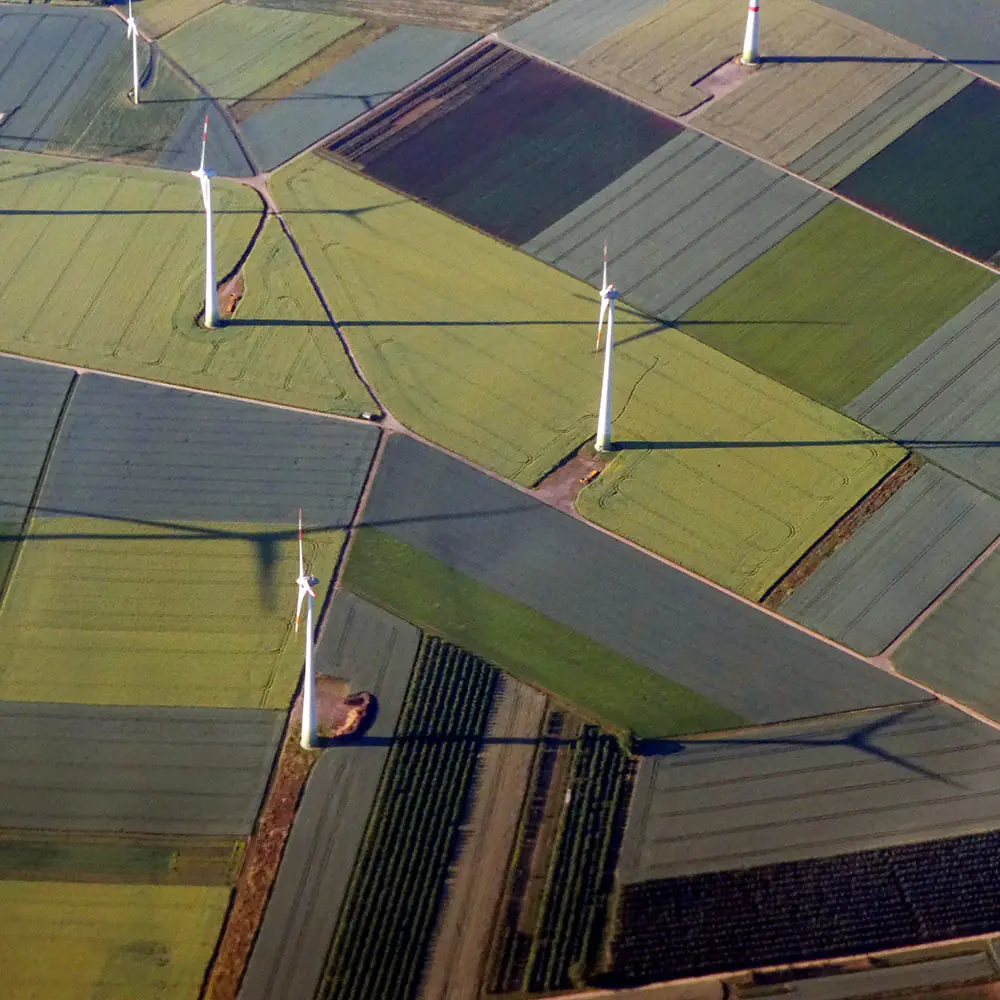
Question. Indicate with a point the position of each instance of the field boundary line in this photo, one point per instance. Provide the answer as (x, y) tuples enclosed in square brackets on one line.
[(289, 407), (39, 486), (993, 269)]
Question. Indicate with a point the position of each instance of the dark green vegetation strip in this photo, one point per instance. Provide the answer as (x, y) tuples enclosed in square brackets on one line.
[(896, 897), (31, 399), (532, 647), (836, 303), (504, 142), (134, 769), (898, 562), (51, 54), (387, 922), (141, 452), (737, 660), (803, 790), (374, 652), (942, 399), (60, 857), (957, 648), (948, 161), (574, 908)]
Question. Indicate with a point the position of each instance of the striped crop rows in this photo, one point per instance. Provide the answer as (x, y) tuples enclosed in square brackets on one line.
[(387, 921), (581, 875)]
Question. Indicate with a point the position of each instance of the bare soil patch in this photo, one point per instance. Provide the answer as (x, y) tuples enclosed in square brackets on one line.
[(457, 968), (841, 532), (230, 294), (562, 485)]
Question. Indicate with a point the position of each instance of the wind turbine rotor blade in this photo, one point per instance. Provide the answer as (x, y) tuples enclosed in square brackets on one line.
[(204, 142), (298, 606), (604, 279), (302, 565), (600, 322)]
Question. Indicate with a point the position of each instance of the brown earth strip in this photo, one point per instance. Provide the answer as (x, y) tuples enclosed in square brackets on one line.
[(457, 967), (286, 86), (841, 532)]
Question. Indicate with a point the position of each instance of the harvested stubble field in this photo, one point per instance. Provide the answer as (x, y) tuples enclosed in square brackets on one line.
[(141, 614), (233, 51), (63, 941), (504, 142), (836, 303), (106, 125), (109, 275), (529, 645), (725, 471), (947, 160), (820, 68)]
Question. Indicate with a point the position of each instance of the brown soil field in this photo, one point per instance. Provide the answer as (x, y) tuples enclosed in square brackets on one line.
[(457, 968), (840, 533), (817, 70)]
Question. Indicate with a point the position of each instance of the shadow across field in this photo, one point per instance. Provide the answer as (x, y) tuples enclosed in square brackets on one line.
[(860, 739), (845, 443), (905, 60)]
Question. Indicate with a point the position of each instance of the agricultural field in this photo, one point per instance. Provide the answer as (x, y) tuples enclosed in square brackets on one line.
[(524, 143), (790, 468), (942, 398), (157, 17), (808, 910), (954, 650), (412, 832), (823, 787), (388, 62), (576, 900), (820, 69), (32, 397), (62, 940), (453, 549), (51, 55), (233, 51), (836, 304), (872, 587), (947, 159), (372, 651), (121, 250), (106, 125)]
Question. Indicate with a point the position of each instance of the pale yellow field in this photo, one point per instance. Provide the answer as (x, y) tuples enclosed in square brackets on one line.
[(87, 941), (783, 108)]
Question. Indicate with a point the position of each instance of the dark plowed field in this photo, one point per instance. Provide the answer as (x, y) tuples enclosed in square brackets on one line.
[(504, 142), (806, 910), (938, 177)]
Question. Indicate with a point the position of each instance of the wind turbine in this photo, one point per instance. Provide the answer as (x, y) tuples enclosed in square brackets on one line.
[(307, 592), (133, 33), (751, 57), (608, 298), (205, 179)]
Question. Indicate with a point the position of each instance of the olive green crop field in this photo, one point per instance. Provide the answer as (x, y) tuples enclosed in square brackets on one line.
[(70, 940), (728, 473), (122, 613), (106, 270), (836, 303), (601, 682), (491, 354), (105, 124), (157, 17), (233, 51)]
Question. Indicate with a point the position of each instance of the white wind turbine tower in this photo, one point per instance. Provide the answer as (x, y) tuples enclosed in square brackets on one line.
[(307, 592), (205, 179), (133, 33), (751, 57), (608, 297)]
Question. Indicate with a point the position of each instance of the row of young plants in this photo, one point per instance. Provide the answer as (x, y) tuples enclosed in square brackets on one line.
[(387, 921), (581, 876)]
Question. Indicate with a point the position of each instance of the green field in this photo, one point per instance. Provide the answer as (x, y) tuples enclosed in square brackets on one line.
[(602, 683), (233, 51), (108, 273), (836, 303), (113, 613), (157, 17), (73, 941), (105, 124), (744, 474)]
